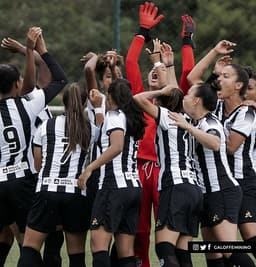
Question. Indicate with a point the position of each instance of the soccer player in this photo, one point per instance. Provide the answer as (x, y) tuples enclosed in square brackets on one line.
[(117, 204), (18, 116)]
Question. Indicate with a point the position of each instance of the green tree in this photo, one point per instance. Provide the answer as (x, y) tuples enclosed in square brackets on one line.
[(230, 20), (73, 28)]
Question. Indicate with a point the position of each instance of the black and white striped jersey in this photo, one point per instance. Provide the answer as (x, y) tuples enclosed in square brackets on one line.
[(219, 111), (243, 121), (174, 148), (121, 172), (45, 114), (17, 117), (60, 169), (94, 153), (212, 166)]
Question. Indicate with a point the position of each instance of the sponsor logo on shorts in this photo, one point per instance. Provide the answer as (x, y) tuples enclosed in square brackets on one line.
[(215, 218), (158, 223), (94, 221), (248, 214)]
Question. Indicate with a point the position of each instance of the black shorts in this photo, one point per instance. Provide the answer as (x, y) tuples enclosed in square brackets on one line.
[(16, 197), (221, 205), (92, 185), (117, 210), (247, 212), (50, 209), (180, 208)]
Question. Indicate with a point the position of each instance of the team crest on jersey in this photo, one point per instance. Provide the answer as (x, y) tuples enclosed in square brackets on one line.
[(94, 221), (248, 214)]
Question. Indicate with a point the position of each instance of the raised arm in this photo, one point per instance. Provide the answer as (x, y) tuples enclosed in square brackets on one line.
[(167, 55), (148, 19), (208, 140), (143, 100), (43, 73), (187, 53), (155, 58), (90, 60), (59, 79), (112, 59), (224, 47), (29, 74)]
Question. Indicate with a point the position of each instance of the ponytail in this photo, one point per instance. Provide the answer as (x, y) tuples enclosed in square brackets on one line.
[(77, 125)]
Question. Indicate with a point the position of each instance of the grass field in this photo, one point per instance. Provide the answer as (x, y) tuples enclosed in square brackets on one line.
[(198, 259)]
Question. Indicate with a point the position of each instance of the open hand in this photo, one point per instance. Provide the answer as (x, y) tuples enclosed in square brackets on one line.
[(224, 47), (12, 45), (167, 54), (148, 15)]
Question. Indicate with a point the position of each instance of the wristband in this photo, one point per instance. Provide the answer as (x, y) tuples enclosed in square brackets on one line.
[(157, 64), (168, 66), (188, 41), (144, 32), (98, 110)]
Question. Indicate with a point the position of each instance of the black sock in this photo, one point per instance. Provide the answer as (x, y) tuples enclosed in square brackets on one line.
[(4, 251), (52, 248), (165, 252), (215, 262), (183, 257), (241, 259), (77, 260), (113, 256), (101, 258), (252, 239), (128, 262), (30, 258)]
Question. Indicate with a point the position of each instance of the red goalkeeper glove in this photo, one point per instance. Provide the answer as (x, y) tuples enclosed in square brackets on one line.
[(148, 15), (188, 26)]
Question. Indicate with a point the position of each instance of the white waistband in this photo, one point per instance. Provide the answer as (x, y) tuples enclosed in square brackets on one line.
[(188, 174), (59, 181), (12, 169)]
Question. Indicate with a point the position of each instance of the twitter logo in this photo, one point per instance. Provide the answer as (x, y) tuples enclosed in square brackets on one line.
[(202, 247)]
